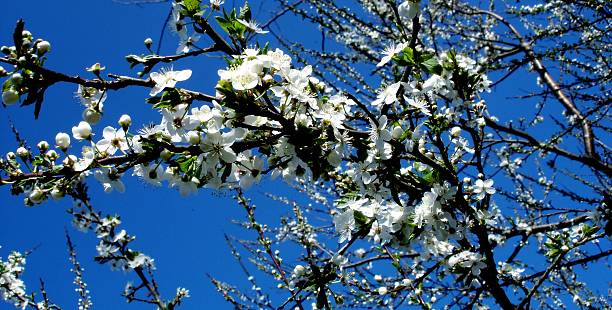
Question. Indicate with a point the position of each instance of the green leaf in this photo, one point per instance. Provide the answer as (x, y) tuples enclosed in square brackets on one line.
[(7, 85), (245, 12), (192, 6), (432, 66)]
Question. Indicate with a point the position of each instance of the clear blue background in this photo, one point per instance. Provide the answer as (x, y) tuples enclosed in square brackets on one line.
[(184, 236)]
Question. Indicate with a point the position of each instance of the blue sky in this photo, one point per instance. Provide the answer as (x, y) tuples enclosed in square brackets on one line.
[(184, 236)]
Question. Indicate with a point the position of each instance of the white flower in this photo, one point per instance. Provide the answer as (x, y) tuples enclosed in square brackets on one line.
[(10, 96), (250, 169), (62, 140), (140, 260), (186, 187), (388, 95), (167, 78), (91, 116), (481, 188), (110, 180), (424, 212), (345, 224), (467, 259), (177, 123), (91, 98), (113, 140), (409, 9), (151, 173), (419, 105), (185, 42), (216, 4), (218, 146), (245, 77), (391, 51), (252, 26), (85, 161), (82, 131)]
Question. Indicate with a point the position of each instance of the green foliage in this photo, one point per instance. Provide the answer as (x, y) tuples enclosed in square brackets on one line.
[(168, 99)]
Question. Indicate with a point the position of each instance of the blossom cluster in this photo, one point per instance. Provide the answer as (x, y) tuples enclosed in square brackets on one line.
[(12, 287)]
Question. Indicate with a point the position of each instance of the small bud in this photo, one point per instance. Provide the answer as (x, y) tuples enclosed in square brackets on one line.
[(455, 131), (95, 68), (165, 155), (125, 121), (10, 96), (23, 152), (378, 278), (69, 161), (148, 42), (299, 270), (43, 146), (11, 156), (52, 155), (62, 140), (193, 137), (409, 9), (82, 131), (5, 49), (16, 78), (382, 290), (3, 72), (37, 195), (91, 116), (397, 132), (56, 193), (43, 47)]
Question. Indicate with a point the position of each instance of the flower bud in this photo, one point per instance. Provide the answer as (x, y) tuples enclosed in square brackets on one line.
[(91, 116), (409, 9), (62, 140), (165, 155), (299, 270), (382, 290), (193, 137), (23, 152), (56, 193), (125, 121), (10, 96), (52, 155), (43, 146), (95, 68), (37, 195), (16, 78), (69, 161), (5, 49), (43, 47), (3, 71), (455, 131), (82, 131), (397, 132), (10, 156), (148, 42)]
